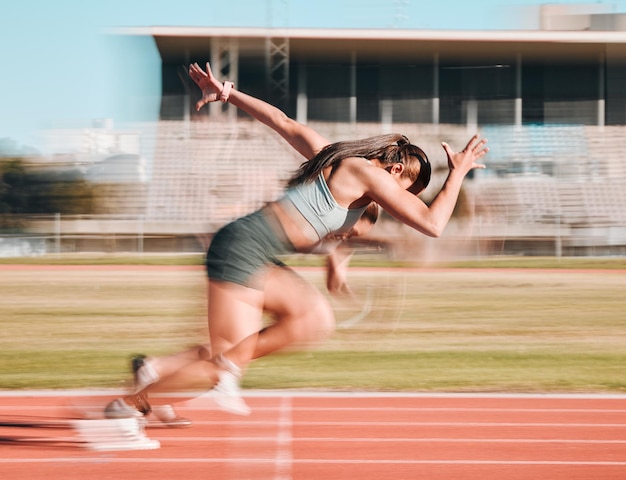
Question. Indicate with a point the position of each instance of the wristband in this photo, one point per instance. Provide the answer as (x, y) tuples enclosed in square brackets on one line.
[(226, 91)]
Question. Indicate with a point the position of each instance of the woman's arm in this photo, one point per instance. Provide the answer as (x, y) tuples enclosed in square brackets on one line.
[(302, 138), (408, 208), (337, 263)]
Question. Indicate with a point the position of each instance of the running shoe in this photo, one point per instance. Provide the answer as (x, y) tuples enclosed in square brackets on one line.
[(227, 394), (166, 416), (118, 408), (144, 373)]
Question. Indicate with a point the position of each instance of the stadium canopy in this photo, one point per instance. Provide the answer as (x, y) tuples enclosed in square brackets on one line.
[(179, 43)]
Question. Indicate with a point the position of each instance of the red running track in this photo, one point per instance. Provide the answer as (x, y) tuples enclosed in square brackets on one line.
[(349, 436)]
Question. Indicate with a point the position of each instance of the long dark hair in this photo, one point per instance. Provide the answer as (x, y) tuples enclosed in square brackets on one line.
[(388, 149)]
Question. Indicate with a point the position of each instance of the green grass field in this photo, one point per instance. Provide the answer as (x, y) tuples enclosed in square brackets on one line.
[(511, 327)]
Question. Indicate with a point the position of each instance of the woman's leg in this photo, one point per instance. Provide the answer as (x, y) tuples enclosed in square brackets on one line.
[(302, 315), (234, 313), (169, 364), (300, 311)]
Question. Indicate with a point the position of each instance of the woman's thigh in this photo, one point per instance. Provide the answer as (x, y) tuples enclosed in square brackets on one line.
[(301, 313), (234, 313), (297, 305)]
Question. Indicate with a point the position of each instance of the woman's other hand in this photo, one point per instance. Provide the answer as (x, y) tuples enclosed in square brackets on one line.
[(466, 159), (210, 86)]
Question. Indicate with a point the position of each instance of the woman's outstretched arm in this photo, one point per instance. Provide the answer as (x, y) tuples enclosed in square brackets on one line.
[(302, 138), (407, 207)]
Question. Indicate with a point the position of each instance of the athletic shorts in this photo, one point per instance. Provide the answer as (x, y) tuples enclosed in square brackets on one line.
[(245, 247)]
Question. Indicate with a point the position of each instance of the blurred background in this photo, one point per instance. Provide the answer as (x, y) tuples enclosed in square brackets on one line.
[(101, 149)]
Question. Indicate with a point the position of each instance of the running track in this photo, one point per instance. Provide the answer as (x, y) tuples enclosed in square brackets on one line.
[(350, 436)]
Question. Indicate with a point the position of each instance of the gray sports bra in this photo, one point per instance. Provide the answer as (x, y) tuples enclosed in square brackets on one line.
[(318, 206)]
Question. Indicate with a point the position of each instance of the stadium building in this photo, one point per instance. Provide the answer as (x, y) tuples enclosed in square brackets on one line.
[(551, 101)]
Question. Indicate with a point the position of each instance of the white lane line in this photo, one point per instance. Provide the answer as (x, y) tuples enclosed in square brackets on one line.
[(302, 461), (393, 409), (401, 423), (265, 439), (284, 457)]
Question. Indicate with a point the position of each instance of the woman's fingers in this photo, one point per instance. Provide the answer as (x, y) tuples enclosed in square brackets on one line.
[(447, 149), (475, 149), (476, 144), (480, 148), (470, 144), (196, 73), (209, 73), (206, 82)]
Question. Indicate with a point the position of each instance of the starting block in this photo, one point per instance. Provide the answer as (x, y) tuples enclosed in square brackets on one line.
[(103, 435), (114, 434)]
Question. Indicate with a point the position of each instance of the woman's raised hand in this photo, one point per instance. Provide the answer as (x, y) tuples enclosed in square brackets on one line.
[(466, 159), (210, 86)]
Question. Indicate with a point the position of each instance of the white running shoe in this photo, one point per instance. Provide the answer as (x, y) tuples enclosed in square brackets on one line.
[(118, 408), (227, 394), (144, 372), (167, 416)]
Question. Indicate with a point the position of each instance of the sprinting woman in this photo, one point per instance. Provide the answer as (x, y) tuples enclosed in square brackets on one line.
[(325, 198)]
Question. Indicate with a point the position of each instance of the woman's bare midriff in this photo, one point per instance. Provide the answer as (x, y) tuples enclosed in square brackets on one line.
[(300, 233)]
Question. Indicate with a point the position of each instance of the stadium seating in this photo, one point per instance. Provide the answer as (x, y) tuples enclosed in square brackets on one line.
[(207, 172)]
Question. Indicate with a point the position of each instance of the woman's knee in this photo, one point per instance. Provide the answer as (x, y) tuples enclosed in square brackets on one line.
[(317, 320), (325, 319), (301, 310)]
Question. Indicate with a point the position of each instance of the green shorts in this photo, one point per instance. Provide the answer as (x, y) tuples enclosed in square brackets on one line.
[(245, 247)]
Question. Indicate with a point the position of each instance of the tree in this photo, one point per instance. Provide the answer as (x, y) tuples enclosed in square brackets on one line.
[(28, 190)]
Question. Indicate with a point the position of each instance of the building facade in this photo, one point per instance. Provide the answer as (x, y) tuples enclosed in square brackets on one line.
[(551, 101)]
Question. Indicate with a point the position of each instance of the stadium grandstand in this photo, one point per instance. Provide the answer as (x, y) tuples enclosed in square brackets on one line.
[(551, 101)]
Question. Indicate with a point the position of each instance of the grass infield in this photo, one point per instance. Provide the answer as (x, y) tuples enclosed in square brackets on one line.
[(505, 325)]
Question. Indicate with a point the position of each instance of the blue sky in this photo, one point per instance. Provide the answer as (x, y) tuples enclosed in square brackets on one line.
[(59, 69)]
